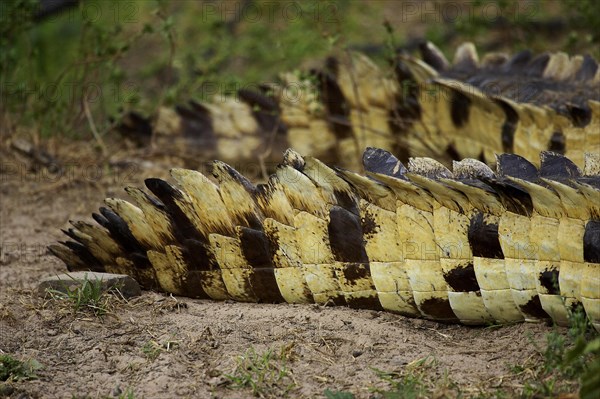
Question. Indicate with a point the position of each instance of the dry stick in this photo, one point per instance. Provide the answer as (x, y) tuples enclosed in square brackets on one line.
[(90, 119)]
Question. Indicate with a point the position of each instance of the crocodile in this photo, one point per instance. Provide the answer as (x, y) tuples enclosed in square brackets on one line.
[(466, 244), (439, 238), (427, 106)]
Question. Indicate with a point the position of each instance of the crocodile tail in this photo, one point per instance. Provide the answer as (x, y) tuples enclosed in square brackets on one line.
[(522, 104), (427, 106), (463, 244)]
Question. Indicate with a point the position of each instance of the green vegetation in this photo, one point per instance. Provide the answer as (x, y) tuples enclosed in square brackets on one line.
[(128, 394), (89, 296), (153, 349), (338, 394), (590, 375), (567, 363), (265, 374), (415, 380), (75, 74), (586, 14), (62, 74), (536, 24), (12, 369)]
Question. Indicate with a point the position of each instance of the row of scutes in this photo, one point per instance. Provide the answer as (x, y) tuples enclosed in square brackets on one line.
[(468, 108), (469, 245)]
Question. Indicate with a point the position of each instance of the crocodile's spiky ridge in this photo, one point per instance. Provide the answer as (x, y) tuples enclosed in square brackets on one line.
[(471, 108), (465, 245)]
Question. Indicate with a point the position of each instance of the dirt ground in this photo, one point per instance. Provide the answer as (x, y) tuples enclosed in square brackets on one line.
[(159, 346)]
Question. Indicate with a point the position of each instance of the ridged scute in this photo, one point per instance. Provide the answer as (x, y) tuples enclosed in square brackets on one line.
[(426, 107), (467, 245)]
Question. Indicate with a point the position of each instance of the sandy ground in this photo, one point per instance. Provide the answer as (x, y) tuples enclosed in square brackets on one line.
[(158, 346)]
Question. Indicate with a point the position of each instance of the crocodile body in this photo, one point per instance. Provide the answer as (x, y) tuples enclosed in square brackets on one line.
[(428, 106), (466, 245)]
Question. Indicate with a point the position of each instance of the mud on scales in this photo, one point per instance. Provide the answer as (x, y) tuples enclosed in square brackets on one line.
[(466, 245)]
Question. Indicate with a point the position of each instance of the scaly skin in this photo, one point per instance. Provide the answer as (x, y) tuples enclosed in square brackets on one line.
[(472, 108), (469, 245)]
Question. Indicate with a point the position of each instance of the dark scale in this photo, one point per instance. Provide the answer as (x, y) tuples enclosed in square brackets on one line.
[(483, 238), (591, 242), (256, 250), (439, 308), (462, 278)]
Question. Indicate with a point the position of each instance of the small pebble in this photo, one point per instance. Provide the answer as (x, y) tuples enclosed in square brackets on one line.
[(117, 391), (356, 353)]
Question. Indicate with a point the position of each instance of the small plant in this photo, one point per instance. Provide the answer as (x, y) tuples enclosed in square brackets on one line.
[(590, 378), (265, 374), (13, 369), (90, 295), (152, 349), (566, 363), (559, 346), (415, 381), (128, 394), (338, 394), (407, 383)]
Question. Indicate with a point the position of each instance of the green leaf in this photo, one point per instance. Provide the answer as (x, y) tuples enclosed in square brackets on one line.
[(577, 351), (590, 381), (593, 346)]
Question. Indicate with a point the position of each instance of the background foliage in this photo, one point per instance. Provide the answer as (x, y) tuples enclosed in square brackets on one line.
[(76, 72)]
